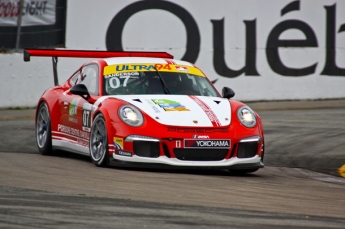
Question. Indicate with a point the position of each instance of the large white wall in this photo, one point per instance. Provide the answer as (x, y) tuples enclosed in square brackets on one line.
[(160, 30)]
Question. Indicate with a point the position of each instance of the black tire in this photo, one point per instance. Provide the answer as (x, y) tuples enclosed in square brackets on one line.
[(43, 130), (98, 142)]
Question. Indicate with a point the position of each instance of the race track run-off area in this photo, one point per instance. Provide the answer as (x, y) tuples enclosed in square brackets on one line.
[(300, 186)]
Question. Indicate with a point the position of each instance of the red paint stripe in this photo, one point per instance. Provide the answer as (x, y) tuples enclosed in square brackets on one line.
[(208, 111), (169, 61)]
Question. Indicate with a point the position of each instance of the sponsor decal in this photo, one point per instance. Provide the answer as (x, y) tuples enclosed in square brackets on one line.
[(178, 144), (72, 119), (73, 107), (214, 143), (200, 136), (122, 74), (182, 68), (131, 69), (118, 143), (153, 106), (198, 130), (170, 105), (124, 153), (74, 132)]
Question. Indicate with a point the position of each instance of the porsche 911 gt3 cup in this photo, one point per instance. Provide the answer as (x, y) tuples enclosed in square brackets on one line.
[(145, 109)]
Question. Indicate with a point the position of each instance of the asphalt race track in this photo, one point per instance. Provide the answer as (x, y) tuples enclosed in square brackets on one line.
[(300, 187)]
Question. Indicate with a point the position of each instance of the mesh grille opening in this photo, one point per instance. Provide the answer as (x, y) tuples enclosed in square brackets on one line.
[(247, 149), (146, 149), (200, 155)]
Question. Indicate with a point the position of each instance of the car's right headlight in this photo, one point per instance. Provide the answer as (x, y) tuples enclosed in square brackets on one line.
[(246, 116), (131, 115)]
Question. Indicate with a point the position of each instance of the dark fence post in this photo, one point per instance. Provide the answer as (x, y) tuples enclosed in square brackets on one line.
[(19, 23)]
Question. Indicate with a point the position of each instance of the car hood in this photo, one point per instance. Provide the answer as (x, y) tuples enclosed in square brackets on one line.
[(183, 110)]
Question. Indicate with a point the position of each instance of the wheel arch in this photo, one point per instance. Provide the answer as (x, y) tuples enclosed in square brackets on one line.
[(51, 100), (109, 109), (104, 112)]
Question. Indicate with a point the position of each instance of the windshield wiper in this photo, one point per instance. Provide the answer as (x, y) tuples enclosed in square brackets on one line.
[(163, 83)]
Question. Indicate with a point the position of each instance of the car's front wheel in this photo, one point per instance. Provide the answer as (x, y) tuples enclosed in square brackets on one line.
[(43, 130), (99, 141)]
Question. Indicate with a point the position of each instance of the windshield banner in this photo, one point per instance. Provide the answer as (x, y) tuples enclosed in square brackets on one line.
[(123, 68)]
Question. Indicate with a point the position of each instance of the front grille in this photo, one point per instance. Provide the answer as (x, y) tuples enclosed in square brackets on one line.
[(146, 149), (247, 149), (200, 154)]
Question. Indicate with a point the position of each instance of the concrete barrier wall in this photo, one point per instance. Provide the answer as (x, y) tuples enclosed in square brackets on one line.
[(264, 50)]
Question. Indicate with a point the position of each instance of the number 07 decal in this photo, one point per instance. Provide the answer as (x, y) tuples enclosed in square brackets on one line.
[(86, 120), (115, 82)]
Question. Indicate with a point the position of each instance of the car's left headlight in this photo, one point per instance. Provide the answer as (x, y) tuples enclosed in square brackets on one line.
[(246, 116), (131, 115)]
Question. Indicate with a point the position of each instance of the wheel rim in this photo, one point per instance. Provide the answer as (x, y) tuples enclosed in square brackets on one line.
[(42, 124), (98, 140)]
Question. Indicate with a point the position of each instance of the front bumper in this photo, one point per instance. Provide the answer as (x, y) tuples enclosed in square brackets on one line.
[(165, 162), (141, 151)]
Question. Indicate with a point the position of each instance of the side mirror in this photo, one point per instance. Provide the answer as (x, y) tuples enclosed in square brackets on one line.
[(80, 89), (227, 92)]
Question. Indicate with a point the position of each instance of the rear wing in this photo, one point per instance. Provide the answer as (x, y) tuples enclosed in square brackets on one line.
[(55, 53)]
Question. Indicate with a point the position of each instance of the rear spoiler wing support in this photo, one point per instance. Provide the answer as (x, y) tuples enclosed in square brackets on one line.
[(55, 53), (56, 79)]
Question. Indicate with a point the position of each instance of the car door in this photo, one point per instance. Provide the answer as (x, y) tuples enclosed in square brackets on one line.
[(90, 78), (75, 112), (69, 114)]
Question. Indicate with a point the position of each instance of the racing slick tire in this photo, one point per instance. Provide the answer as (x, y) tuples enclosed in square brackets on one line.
[(98, 142), (43, 130)]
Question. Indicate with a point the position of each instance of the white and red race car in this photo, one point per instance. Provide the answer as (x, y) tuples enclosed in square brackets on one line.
[(146, 109)]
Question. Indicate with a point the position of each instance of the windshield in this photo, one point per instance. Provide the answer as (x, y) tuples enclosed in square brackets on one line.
[(158, 82)]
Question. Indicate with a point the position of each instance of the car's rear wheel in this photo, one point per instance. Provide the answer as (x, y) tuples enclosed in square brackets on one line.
[(99, 142), (43, 130)]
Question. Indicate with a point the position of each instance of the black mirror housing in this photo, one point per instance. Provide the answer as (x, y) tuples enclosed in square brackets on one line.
[(227, 92), (80, 89)]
